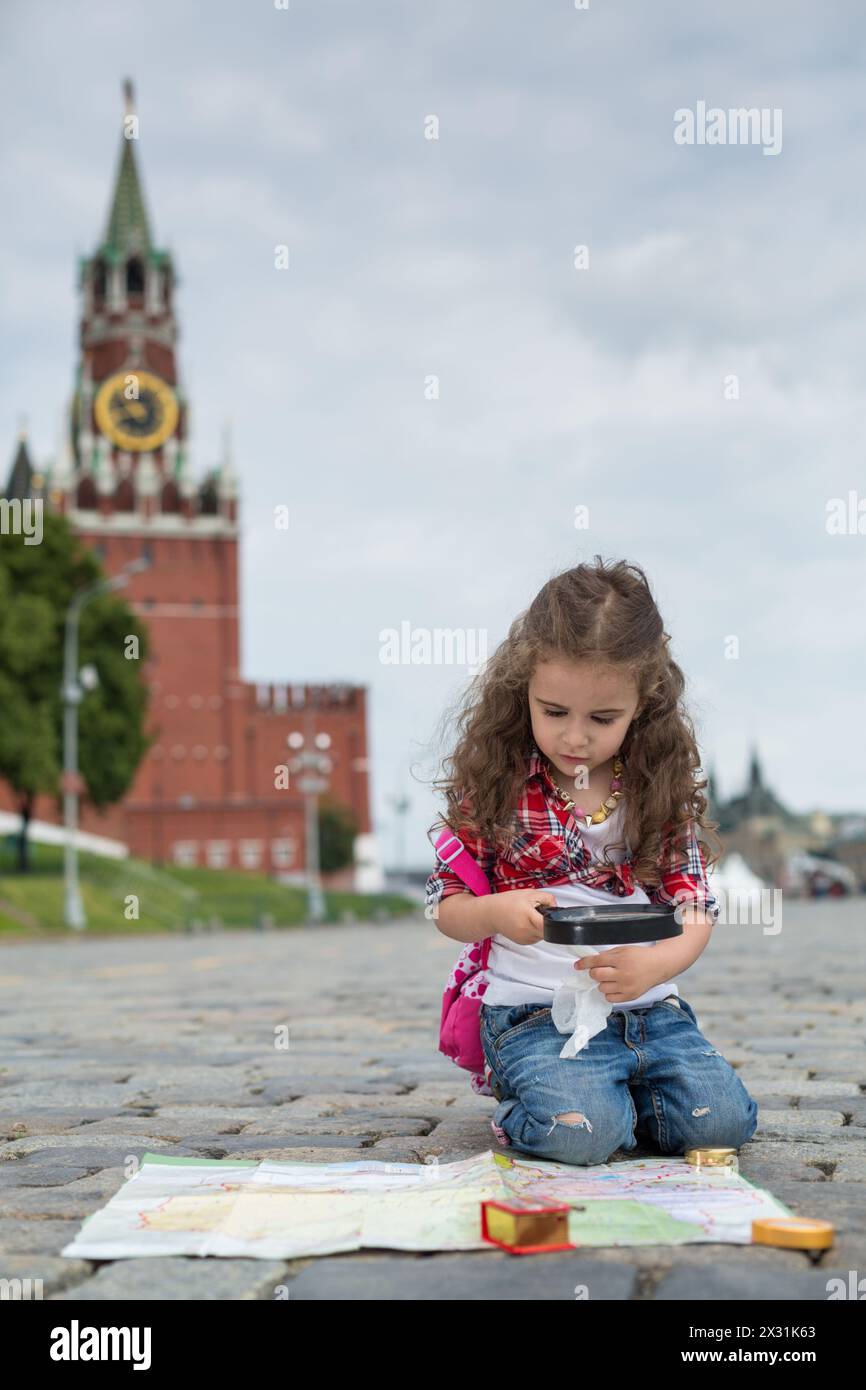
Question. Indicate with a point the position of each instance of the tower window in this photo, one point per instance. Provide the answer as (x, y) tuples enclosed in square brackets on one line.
[(170, 501), (86, 498), (134, 276), (99, 281), (124, 497), (208, 501)]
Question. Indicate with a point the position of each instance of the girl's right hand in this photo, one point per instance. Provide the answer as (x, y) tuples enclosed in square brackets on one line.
[(517, 918)]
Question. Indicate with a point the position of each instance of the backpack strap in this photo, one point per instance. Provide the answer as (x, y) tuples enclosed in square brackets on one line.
[(452, 852)]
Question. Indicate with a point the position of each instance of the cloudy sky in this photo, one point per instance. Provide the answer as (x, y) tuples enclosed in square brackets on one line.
[(454, 258)]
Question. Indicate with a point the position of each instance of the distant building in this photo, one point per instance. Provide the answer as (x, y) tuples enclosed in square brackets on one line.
[(205, 793), (771, 838), (757, 802)]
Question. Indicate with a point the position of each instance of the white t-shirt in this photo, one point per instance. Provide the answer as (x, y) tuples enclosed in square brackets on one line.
[(530, 974)]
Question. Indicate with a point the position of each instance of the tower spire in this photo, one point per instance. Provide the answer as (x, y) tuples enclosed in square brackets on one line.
[(128, 228), (756, 782), (20, 481), (712, 788)]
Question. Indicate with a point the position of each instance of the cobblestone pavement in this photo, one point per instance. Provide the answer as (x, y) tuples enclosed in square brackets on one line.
[(113, 1047)]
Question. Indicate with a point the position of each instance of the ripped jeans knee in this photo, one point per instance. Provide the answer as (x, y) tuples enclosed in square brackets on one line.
[(571, 1117), (565, 1136), (705, 1126), (577, 1140)]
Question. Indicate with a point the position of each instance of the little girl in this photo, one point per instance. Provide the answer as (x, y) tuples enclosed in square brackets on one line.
[(573, 782)]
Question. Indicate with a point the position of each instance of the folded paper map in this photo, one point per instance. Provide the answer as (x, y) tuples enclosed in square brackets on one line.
[(190, 1206)]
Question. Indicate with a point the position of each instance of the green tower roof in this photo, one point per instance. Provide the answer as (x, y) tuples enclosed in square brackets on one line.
[(128, 227), (20, 481)]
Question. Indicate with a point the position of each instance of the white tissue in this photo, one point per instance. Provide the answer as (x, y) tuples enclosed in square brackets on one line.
[(579, 1007)]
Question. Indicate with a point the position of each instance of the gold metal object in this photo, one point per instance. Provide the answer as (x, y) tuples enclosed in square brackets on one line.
[(712, 1158)]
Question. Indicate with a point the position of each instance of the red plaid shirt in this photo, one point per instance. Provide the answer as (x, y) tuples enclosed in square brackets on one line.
[(549, 849)]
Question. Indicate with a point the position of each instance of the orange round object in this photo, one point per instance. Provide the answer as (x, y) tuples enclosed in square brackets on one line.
[(793, 1232)]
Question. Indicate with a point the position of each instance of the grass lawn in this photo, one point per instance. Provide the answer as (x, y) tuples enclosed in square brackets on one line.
[(169, 898)]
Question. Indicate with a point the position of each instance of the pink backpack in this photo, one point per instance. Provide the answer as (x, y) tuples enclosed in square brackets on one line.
[(460, 1024)]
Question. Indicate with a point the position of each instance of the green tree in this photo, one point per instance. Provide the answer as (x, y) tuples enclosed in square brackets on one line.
[(337, 830), (36, 585)]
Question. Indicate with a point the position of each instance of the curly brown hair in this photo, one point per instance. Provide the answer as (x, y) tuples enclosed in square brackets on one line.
[(605, 614)]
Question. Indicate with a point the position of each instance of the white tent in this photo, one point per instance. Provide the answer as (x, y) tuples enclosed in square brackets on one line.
[(733, 872), (738, 889)]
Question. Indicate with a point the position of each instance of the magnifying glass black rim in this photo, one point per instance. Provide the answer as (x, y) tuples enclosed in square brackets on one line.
[(609, 925)]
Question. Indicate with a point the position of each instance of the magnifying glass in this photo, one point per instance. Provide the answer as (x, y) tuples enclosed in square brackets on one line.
[(608, 926)]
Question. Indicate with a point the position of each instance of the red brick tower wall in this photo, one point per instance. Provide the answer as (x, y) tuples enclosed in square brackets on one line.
[(205, 791)]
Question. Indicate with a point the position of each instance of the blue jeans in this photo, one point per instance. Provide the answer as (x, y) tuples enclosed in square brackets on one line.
[(650, 1075)]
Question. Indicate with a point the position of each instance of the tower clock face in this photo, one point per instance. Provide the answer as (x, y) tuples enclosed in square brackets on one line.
[(136, 410)]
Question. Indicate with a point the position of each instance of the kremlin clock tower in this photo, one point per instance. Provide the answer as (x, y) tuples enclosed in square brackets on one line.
[(206, 792)]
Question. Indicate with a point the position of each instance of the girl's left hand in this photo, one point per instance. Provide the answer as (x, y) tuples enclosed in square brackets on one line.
[(621, 972)]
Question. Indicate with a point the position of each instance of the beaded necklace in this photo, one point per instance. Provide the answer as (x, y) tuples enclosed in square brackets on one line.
[(605, 808)]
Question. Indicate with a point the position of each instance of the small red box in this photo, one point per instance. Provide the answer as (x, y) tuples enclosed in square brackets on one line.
[(525, 1228)]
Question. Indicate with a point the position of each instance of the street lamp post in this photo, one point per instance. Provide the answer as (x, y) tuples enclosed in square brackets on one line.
[(400, 805), (314, 768), (71, 691)]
